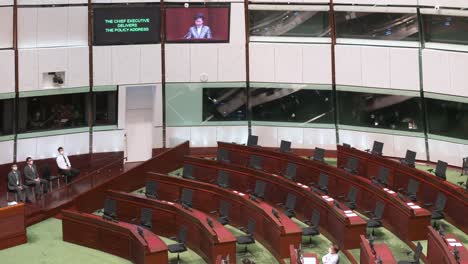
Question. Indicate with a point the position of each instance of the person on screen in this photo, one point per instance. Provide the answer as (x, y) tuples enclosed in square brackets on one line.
[(199, 30), (332, 256)]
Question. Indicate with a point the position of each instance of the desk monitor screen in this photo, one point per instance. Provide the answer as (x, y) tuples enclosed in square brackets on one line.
[(186, 198), (197, 24), (129, 24)]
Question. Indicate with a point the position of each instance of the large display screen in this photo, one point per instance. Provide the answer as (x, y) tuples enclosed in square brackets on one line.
[(131, 24), (197, 24)]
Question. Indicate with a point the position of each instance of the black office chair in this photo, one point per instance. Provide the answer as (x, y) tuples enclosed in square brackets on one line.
[(377, 148), (441, 169), (110, 210), (290, 205), (285, 146), (179, 247), (412, 190), (223, 179), (438, 211), (252, 140), (346, 145), (464, 167), (382, 178), (46, 175), (290, 172), (188, 172), (323, 183), (351, 198), (186, 198), (223, 155), (255, 162), (8, 191), (319, 155), (249, 237), (410, 159), (259, 191), (223, 212), (375, 221), (417, 255), (313, 228), (150, 190), (146, 218), (351, 165)]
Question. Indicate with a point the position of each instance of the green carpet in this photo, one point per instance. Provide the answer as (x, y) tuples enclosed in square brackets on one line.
[(453, 176)]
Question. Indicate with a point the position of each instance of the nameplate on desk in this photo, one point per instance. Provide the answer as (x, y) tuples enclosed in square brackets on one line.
[(456, 244), (415, 207), (302, 185), (12, 203), (351, 215), (328, 199), (239, 193), (171, 203), (389, 191), (308, 260), (451, 240), (348, 212)]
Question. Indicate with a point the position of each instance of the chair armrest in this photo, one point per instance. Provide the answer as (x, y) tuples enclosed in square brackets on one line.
[(428, 204), (308, 222), (241, 228), (173, 238), (341, 196), (214, 212)]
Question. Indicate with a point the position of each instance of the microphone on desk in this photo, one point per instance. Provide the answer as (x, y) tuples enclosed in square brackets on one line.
[(379, 260), (275, 213), (210, 223), (186, 207), (456, 254), (253, 198), (401, 197), (337, 204), (140, 231)]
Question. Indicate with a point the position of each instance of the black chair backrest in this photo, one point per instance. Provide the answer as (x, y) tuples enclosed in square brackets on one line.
[(223, 179), (252, 140), (251, 227), (417, 252), (255, 162), (352, 164), (413, 186), (223, 155), (440, 202), (441, 169), (146, 217), (46, 172), (110, 207), (323, 181), (182, 237), (315, 218), (383, 175), (260, 189), (465, 163), (379, 210), (290, 201), (352, 195), (319, 154), (290, 173), (186, 198), (410, 158), (188, 171), (346, 145), (224, 208), (151, 189), (377, 148), (285, 146)]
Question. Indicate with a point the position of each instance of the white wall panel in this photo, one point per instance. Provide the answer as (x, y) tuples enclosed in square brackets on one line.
[(231, 63), (262, 62), (158, 137), (237, 33), (237, 134), (203, 62), (76, 144), (404, 68), (150, 69), (102, 65), (203, 136), (176, 135), (458, 73), (108, 141), (267, 135), (319, 137), (348, 65), (6, 2), (27, 27), (6, 28), (77, 26), (7, 71), (28, 70), (47, 146), (177, 63), (452, 153), (6, 155), (293, 134), (51, 26), (378, 2), (375, 67), (126, 64), (51, 60), (316, 64), (77, 74), (26, 148), (444, 3), (288, 63)]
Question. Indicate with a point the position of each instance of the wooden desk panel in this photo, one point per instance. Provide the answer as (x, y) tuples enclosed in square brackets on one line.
[(336, 225), (439, 250), (116, 238), (399, 176), (276, 234), (293, 255), (12, 226), (409, 224), (381, 250), (168, 216)]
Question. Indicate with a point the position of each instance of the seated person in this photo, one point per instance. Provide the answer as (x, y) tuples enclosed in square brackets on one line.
[(332, 256), (15, 184), (32, 178), (65, 166)]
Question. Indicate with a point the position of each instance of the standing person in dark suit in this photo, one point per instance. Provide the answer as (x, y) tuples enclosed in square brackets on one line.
[(32, 178), (198, 30), (65, 166), (15, 184)]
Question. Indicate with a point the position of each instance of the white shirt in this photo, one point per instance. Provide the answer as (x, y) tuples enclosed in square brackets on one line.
[(330, 259), (61, 163), (199, 30)]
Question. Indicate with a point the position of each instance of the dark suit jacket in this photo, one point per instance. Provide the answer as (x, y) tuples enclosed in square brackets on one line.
[(205, 33), (29, 174), (12, 180)]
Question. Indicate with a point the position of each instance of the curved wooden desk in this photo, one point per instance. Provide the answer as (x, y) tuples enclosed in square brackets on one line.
[(407, 221), (293, 255), (12, 226), (208, 242), (399, 176), (276, 234), (116, 238), (381, 251), (341, 228), (440, 249)]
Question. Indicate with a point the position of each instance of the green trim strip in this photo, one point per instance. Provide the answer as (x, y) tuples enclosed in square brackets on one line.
[(291, 86), (105, 88), (105, 128), (446, 97), (46, 92), (382, 131), (448, 139), (375, 90), (208, 85), (7, 138), (292, 124), (7, 96), (53, 132)]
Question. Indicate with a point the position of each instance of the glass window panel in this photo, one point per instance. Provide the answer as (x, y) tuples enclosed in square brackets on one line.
[(291, 105), (377, 26), (446, 29), (380, 111), (105, 108), (52, 112), (447, 118), (225, 104), (289, 23), (6, 117)]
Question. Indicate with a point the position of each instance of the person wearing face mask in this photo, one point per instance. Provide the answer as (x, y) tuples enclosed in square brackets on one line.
[(32, 178), (65, 166), (15, 184), (332, 256)]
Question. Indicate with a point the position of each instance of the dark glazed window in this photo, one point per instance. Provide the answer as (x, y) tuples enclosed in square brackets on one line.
[(380, 111), (224, 104), (447, 118), (289, 23), (6, 117), (446, 29), (105, 108), (377, 26)]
